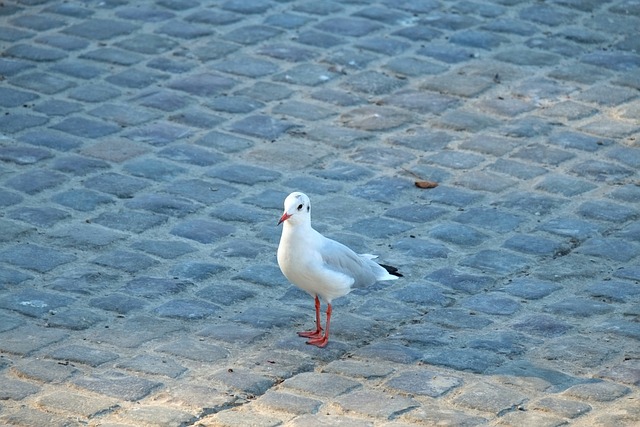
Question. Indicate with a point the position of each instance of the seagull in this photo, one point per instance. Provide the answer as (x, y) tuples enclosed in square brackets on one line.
[(320, 266)]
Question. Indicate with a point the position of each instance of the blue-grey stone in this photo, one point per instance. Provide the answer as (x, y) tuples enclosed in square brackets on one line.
[(342, 171), (234, 104), (164, 248), (559, 381), (8, 198), (517, 169), (372, 83), (468, 283), (262, 274), (263, 317), (379, 227), (100, 29), (9, 276), (128, 220), (600, 171), (153, 365), (192, 155), (391, 352), (476, 361), (492, 303), (153, 287), (36, 181), (570, 227), (614, 290), (240, 248), (164, 204), (423, 295), (457, 318), (35, 257), (542, 325), (34, 303), (565, 185), (607, 211), (453, 196), (202, 191), (383, 45), (424, 383), (252, 34), (246, 66), (78, 165), (488, 218), (579, 307), (458, 234), (422, 249), (186, 309), (354, 27), (416, 213), (121, 186), (609, 248), (82, 354), (447, 53), (225, 294), (262, 126), (243, 213), (118, 303), (386, 190), (202, 84), (117, 384), (530, 288), (163, 133), (534, 245), (227, 143), (508, 343), (385, 310), (195, 270), (43, 217), (496, 261), (16, 122), (421, 335), (244, 174), (202, 230), (130, 262)]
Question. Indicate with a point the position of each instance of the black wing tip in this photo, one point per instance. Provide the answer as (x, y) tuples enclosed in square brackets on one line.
[(391, 270)]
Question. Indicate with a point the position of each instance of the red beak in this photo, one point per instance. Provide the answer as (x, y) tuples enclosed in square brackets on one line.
[(285, 216)]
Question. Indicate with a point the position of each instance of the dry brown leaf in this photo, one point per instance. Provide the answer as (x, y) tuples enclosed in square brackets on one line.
[(426, 184)]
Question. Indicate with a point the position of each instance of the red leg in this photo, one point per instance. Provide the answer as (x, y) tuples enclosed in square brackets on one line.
[(321, 341), (318, 332)]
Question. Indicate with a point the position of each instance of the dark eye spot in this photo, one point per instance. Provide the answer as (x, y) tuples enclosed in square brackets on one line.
[(308, 208), (300, 207)]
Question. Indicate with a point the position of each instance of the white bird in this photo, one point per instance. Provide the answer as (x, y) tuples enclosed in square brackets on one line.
[(320, 266)]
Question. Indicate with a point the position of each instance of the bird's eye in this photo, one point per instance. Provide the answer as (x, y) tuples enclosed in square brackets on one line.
[(300, 207)]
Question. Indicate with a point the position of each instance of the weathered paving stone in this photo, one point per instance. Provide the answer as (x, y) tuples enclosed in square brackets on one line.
[(375, 403), (530, 288), (154, 365), (290, 403), (118, 303), (485, 181), (195, 350), (421, 248), (82, 354), (125, 260), (517, 169), (78, 165), (35, 257), (203, 84), (562, 407), (164, 204), (16, 390), (597, 170), (268, 317), (326, 385), (379, 227), (559, 381), (542, 325), (153, 287), (13, 123), (598, 391), (43, 217), (534, 245), (607, 211), (492, 304), (79, 404), (306, 75), (468, 283), (13, 341), (457, 318), (490, 218), (614, 249), (424, 383), (202, 230), (262, 126), (387, 189), (121, 186), (202, 191), (46, 371), (127, 220), (372, 83), (187, 309), (225, 295), (23, 155), (477, 361), (458, 234), (36, 181), (118, 385), (422, 294), (164, 248), (578, 307), (100, 29), (565, 185), (496, 261), (617, 291), (491, 398), (391, 352)]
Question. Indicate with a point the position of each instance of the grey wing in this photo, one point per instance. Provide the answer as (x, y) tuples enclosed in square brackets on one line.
[(340, 258)]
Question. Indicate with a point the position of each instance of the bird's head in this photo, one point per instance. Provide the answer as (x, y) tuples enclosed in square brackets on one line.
[(297, 209)]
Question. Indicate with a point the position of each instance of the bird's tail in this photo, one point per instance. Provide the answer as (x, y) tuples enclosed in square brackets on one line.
[(391, 270)]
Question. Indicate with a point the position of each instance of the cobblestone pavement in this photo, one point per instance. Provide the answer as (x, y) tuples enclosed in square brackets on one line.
[(146, 149)]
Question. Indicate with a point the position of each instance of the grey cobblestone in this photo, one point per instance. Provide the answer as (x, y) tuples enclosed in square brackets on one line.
[(145, 150)]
